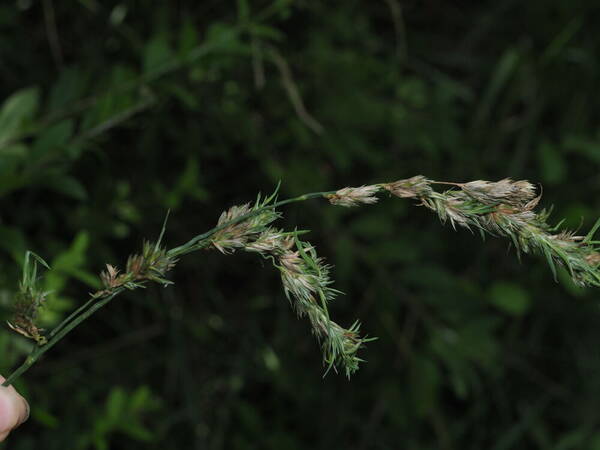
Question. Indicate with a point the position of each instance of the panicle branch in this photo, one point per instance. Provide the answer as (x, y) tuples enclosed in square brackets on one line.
[(307, 285), (507, 208), (304, 275)]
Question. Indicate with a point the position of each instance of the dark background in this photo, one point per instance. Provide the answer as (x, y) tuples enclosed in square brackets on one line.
[(115, 112)]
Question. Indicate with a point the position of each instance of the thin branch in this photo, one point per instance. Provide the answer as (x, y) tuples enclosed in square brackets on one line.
[(116, 120), (290, 86), (52, 33), (258, 66), (399, 28)]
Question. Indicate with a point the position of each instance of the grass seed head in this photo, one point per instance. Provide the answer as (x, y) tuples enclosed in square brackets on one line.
[(507, 191), (238, 234), (350, 196), (415, 187), (110, 277), (270, 242), (28, 301)]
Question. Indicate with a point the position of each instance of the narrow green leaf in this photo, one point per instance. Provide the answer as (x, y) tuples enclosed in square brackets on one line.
[(273, 196), (39, 259), (590, 235), (548, 256), (162, 231), (558, 225), (505, 68)]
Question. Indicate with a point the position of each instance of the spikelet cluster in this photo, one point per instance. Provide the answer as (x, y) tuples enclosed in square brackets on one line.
[(28, 301), (151, 265), (305, 276), (235, 233), (355, 196), (506, 191), (415, 187), (307, 285), (507, 208)]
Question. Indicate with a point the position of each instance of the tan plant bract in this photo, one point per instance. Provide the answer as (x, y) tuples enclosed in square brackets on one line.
[(415, 187), (354, 196), (270, 241), (504, 191), (593, 259)]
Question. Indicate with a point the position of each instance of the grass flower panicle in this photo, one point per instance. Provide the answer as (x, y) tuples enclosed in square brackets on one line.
[(307, 285), (504, 208), (152, 265), (232, 233)]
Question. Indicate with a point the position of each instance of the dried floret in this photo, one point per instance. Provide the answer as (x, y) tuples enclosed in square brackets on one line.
[(354, 196)]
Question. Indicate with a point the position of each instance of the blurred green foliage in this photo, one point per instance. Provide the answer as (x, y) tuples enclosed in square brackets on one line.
[(116, 111)]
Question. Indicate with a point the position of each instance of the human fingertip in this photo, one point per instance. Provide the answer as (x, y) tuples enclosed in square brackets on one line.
[(25, 412)]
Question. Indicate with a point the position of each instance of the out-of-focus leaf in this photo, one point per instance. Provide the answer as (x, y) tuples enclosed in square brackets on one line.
[(504, 69), (13, 241), (65, 90), (243, 10), (16, 111), (156, 54), (117, 15), (425, 385), (223, 37), (372, 226), (552, 164), (45, 417), (13, 151), (188, 37), (115, 404), (68, 265), (590, 148), (266, 32), (52, 140), (140, 399), (188, 184), (510, 298), (574, 440), (11, 158), (66, 185)]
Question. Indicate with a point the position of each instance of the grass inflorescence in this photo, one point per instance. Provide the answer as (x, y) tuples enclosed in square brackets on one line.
[(505, 208), (28, 301)]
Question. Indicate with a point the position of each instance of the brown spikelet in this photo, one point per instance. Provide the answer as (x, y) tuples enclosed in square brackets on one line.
[(110, 277), (354, 196), (415, 187)]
